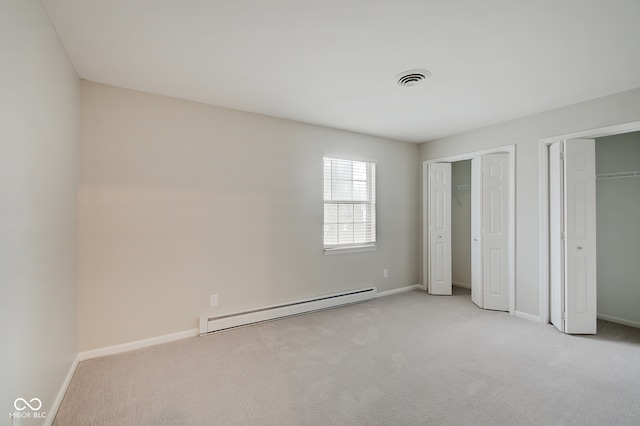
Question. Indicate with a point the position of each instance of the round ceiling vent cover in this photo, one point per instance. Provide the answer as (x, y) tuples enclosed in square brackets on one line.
[(412, 77)]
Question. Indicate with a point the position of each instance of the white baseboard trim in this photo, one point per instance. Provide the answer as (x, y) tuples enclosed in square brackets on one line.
[(138, 344), (51, 414), (619, 320), (399, 290), (284, 310), (463, 285), (526, 316)]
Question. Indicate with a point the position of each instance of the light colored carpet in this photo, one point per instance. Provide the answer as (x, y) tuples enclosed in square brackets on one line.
[(406, 359)]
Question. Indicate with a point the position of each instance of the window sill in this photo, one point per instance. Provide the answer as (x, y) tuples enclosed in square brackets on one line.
[(351, 249)]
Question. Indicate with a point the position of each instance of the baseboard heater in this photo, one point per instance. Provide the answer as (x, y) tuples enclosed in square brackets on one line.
[(268, 313)]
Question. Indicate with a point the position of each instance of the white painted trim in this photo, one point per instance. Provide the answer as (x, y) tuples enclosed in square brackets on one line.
[(619, 320), (599, 132), (138, 344), (513, 183), (528, 317), (543, 158), (425, 227), (53, 409), (511, 150), (463, 285), (351, 249), (471, 155), (399, 290), (543, 228)]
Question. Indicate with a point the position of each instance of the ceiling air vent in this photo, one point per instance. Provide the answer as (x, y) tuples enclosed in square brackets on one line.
[(412, 77)]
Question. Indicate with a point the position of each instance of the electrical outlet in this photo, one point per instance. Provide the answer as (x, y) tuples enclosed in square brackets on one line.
[(385, 273), (213, 300)]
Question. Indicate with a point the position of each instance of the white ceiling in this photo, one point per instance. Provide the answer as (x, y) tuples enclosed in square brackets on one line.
[(333, 62)]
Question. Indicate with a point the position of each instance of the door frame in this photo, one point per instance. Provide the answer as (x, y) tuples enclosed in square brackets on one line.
[(543, 155), (507, 149)]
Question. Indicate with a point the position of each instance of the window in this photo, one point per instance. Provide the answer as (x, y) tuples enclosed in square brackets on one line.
[(349, 205)]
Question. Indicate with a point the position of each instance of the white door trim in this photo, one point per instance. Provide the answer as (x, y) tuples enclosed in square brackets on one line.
[(511, 150), (543, 155)]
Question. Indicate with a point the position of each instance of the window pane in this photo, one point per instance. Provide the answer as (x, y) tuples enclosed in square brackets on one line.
[(327, 179), (330, 234), (345, 233), (359, 191), (327, 188), (372, 182), (360, 212), (342, 190), (371, 228), (345, 213), (330, 213), (359, 170), (342, 169), (360, 234)]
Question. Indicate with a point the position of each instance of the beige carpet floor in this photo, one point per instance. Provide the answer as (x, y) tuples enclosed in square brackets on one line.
[(406, 359)]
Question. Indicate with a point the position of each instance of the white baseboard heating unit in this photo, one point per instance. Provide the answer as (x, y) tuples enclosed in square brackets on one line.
[(268, 313)]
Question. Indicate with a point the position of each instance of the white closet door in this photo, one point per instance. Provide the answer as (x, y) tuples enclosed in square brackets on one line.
[(495, 231), (490, 231), (556, 242), (477, 295), (439, 233), (580, 244)]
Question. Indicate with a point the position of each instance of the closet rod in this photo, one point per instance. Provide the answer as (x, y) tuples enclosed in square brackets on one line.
[(618, 175)]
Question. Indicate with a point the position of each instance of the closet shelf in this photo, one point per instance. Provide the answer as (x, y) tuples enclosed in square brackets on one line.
[(460, 187)]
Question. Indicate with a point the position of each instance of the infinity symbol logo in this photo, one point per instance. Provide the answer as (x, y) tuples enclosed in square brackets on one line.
[(22, 404)]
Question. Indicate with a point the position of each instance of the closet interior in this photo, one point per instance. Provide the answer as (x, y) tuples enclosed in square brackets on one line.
[(618, 228), (461, 224)]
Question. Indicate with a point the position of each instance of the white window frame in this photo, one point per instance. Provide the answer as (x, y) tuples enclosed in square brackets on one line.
[(335, 248)]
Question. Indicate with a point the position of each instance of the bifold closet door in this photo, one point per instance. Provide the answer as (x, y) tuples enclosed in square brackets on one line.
[(580, 229), (477, 295), (556, 240), (572, 232), (490, 232), (439, 229)]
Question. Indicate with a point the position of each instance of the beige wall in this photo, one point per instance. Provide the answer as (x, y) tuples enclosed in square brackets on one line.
[(618, 228), (525, 133), (39, 111), (180, 200)]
